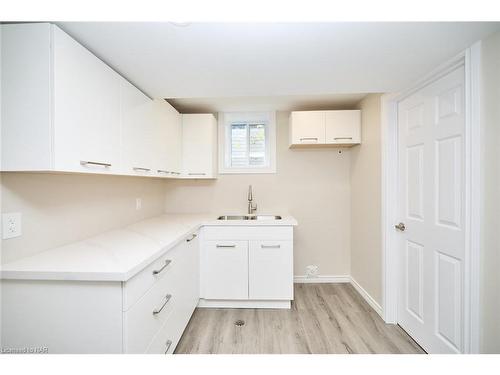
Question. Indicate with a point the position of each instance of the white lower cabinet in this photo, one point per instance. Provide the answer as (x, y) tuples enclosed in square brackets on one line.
[(136, 316), (163, 312), (226, 269), (270, 270), (247, 264)]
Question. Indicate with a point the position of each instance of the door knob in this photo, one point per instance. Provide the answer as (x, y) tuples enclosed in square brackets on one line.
[(401, 227)]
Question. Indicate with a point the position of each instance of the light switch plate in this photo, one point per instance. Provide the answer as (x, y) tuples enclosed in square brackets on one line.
[(11, 225)]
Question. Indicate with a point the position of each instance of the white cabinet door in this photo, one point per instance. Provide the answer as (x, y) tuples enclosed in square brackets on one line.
[(160, 150), (86, 109), (173, 142), (307, 127), (199, 145), (26, 132), (225, 270), (137, 131), (343, 127), (270, 270)]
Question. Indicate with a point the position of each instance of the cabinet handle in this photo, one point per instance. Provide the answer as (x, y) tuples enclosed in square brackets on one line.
[(192, 237), (175, 172), (309, 139), (141, 169), (168, 344), (167, 262), (337, 138), (196, 174), (162, 171), (157, 311), (86, 162), (270, 246), (225, 246)]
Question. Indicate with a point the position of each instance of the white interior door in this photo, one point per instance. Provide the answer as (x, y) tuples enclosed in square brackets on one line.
[(431, 126)]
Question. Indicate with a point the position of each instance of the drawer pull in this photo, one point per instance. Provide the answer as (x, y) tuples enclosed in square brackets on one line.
[(197, 174), (157, 311), (270, 246), (192, 237), (141, 169), (168, 344), (86, 162), (309, 139), (225, 246), (167, 262), (337, 138), (162, 171)]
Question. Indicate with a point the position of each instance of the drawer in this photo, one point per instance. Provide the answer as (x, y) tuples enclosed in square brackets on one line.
[(140, 283), (181, 283), (145, 318), (245, 233), (168, 337)]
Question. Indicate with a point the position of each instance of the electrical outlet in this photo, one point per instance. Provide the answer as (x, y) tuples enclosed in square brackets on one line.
[(11, 225), (138, 204), (312, 271)]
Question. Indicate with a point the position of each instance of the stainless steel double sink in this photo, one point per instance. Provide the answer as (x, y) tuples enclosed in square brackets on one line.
[(249, 217)]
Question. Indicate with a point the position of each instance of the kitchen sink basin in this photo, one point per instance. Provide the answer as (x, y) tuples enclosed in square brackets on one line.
[(250, 217)]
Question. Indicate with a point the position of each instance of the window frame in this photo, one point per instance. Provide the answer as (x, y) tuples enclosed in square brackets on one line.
[(225, 120)]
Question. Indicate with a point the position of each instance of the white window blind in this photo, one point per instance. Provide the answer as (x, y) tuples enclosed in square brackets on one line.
[(248, 142), (248, 145)]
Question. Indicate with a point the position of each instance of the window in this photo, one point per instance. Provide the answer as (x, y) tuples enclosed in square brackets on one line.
[(247, 142)]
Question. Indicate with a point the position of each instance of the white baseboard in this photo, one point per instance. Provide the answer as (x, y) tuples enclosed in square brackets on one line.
[(245, 304), (341, 279), (322, 279), (369, 299)]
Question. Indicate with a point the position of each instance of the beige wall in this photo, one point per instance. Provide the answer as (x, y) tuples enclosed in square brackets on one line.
[(490, 247), (310, 184), (366, 250), (61, 208)]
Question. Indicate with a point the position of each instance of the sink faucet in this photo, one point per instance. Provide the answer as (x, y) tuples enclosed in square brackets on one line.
[(251, 207)]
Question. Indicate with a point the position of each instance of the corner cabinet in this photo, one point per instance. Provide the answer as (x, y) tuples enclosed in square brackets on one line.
[(199, 145), (325, 128)]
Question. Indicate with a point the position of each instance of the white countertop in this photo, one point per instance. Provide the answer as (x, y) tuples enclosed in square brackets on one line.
[(119, 254)]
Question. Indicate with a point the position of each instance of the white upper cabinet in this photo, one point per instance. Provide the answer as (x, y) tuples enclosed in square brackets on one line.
[(199, 145), (65, 110), (61, 103), (309, 128), (168, 139), (173, 142), (138, 131), (343, 127), (86, 109)]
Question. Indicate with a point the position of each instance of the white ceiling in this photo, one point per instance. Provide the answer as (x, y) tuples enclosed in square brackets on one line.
[(225, 60)]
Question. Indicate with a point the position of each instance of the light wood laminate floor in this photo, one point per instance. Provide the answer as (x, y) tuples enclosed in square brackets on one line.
[(324, 318)]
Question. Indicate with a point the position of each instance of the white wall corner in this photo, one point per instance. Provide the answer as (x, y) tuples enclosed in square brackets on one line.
[(367, 297)]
